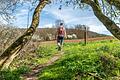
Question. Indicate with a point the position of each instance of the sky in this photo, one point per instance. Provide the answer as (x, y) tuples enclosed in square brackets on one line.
[(51, 13)]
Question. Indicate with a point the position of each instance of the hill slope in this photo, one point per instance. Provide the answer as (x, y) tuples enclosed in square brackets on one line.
[(80, 33), (99, 60), (96, 61)]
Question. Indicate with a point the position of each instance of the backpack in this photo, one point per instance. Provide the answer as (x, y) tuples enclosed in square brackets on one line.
[(61, 31)]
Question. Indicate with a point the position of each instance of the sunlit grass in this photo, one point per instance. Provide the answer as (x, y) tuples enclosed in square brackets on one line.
[(100, 58)]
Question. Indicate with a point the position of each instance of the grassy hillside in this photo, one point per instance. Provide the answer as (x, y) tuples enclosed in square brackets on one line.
[(43, 32), (80, 33), (99, 60)]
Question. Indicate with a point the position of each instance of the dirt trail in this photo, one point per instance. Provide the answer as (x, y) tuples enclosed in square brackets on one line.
[(37, 69)]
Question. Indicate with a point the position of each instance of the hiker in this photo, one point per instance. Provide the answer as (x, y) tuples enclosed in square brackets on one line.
[(61, 34)]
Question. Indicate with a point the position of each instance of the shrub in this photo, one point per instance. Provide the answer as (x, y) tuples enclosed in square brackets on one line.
[(9, 74)]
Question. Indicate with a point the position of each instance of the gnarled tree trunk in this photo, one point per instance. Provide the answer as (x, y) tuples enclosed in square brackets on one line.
[(12, 51), (109, 24)]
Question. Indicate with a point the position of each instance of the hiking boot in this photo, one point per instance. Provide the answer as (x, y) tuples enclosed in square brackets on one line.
[(59, 48)]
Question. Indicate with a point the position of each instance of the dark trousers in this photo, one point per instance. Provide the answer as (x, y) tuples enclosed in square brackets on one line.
[(60, 39)]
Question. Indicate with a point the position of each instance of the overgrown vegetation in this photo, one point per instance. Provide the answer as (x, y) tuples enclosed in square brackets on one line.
[(41, 55), (15, 74)]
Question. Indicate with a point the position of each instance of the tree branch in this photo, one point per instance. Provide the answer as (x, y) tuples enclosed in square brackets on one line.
[(10, 53), (109, 24), (116, 3)]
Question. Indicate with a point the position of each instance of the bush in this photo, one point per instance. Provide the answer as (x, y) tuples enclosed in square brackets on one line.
[(9, 74)]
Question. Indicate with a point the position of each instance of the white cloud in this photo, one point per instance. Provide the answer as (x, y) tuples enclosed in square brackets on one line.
[(64, 14), (22, 12), (71, 16), (47, 26)]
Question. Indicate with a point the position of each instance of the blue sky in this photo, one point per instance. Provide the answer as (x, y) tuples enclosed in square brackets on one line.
[(71, 17)]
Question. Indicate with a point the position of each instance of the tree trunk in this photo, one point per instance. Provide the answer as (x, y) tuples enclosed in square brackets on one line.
[(109, 24), (12, 51)]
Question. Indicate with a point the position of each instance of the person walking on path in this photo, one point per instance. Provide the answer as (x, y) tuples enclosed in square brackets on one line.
[(61, 34)]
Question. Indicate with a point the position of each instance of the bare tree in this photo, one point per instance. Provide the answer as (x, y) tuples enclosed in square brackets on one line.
[(8, 34), (12, 51)]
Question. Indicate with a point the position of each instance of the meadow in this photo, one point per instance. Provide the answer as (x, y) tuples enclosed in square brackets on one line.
[(98, 60)]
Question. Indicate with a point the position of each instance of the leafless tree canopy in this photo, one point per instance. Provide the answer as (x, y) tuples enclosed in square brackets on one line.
[(8, 34), (108, 9), (8, 7)]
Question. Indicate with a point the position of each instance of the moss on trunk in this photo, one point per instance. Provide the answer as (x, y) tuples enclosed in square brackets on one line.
[(12, 51)]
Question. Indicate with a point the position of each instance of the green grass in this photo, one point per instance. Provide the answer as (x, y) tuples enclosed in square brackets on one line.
[(42, 54), (23, 65), (100, 58), (9, 74), (45, 53)]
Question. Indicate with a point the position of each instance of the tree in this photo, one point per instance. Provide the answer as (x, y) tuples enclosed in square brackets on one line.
[(81, 27), (109, 24), (12, 51), (8, 34), (107, 11)]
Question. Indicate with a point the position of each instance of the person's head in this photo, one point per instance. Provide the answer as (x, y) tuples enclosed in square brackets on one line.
[(61, 24)]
